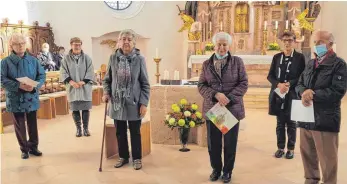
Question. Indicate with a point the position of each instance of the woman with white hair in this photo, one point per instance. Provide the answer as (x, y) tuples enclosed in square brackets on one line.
[(127, 87), (46, 58), (22, 99), (223, 80)]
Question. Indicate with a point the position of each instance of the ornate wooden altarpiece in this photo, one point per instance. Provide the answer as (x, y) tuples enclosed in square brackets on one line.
[(37, 35)]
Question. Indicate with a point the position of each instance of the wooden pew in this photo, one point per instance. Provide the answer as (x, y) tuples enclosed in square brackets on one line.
[(111, 147), (59, 102), (46, 110), (97, 95)]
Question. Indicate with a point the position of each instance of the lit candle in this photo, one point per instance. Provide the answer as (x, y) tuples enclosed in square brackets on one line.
[(210, 26), (265, 25), (287, 24), (221, 26), (276, 24), (156, 53)]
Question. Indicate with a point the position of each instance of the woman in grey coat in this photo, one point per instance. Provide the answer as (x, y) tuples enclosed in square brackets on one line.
[(126, 86), (77, 72)]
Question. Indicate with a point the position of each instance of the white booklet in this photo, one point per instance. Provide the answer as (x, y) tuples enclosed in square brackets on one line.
[(278, 91), (301, 113), (28, 81)]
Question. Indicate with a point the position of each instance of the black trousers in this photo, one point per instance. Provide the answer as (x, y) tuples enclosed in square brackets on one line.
[(214, 138), (122, 138), (283, 120), (20, 129)]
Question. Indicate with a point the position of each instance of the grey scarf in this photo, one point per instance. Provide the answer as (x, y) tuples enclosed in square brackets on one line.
[(123, 78)]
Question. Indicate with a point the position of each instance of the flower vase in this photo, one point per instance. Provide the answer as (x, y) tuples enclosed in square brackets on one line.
[(184, 135)]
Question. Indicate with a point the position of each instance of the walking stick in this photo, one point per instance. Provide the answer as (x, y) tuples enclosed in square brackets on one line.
[(103, 138)]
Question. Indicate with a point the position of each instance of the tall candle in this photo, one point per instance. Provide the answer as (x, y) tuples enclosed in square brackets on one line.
[(210, 26), (287, 24), (156, 53), (276, 24), (221, 26), (265, 25)]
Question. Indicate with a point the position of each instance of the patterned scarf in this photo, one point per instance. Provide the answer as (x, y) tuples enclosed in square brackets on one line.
[(219, 64), (123, 78), (76, 57)]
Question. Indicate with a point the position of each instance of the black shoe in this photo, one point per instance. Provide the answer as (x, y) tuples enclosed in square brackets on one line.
[(279, 153), (121, 162), (86, 132), (79, 132), (290, 154), (214, 176), (25, 155), (226, 177), (35, 152)]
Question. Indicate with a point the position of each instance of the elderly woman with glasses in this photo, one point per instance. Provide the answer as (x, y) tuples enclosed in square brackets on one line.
[(127, 88), (284, 74), (22, 100), (223, 80), (77, 72)]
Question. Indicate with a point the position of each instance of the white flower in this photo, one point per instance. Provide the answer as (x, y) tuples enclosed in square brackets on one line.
[(167, 117), (187, 113)]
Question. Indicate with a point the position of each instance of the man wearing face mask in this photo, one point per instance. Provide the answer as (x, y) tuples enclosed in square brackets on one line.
[(323, 85), (58, 57), (46, 58)]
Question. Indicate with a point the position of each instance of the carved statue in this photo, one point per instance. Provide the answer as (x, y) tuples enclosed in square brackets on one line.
[(297, 31), (195, 31), (303, 22)]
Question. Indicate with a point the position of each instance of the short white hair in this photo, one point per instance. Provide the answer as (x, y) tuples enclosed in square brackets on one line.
[(222, 36), (128, 32), (17, 36), (45, 45)]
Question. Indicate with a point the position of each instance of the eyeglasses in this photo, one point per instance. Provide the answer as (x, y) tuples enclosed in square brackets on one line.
[(76, 44), (19, 44), (288, 40)]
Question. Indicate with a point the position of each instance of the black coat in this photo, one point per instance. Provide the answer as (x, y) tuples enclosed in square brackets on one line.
[(296, 68), (328, 81)]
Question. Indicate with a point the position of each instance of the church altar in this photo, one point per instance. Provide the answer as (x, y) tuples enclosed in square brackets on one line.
[(247, 59), (257, 67)]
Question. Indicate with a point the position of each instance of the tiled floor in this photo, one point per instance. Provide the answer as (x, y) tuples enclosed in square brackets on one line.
[(71, 160)]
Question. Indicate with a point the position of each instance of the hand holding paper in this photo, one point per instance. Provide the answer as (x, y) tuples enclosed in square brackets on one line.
[(302, 113), (28, 81)]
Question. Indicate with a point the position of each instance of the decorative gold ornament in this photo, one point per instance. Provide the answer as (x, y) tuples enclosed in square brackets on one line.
[(157, 75), (111, 43)]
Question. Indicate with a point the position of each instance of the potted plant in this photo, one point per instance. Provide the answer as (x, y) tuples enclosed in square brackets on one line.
[(184, 116), (209, 48), (273, 49)]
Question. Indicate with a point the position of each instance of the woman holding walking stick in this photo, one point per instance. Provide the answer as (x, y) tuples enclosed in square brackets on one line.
[(127, 88)]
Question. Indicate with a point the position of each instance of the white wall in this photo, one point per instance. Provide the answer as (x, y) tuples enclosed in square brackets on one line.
[(331, 18), (158, 21)]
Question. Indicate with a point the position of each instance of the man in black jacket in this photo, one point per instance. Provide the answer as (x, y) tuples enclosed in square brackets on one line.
[(284, 74), (323, 85)]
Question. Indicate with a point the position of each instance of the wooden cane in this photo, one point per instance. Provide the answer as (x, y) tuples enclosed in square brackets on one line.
[(103, 138)]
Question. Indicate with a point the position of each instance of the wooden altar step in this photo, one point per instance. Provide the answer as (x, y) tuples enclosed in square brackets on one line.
[(257, 98)]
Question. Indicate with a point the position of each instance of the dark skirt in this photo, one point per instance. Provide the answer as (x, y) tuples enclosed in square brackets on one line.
[(80, 105)]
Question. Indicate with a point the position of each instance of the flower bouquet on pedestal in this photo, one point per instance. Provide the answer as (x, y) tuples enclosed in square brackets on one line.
[(184, 116)]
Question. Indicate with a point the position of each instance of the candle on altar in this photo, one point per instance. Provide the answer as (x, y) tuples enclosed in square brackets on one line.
[(166, 75), (156, 53), (287, 24), (210, 26), (221, 26), (276, 25), (265, 25)]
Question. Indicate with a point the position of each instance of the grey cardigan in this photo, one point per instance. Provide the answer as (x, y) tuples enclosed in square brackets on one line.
[(78, 71), (140, 88)]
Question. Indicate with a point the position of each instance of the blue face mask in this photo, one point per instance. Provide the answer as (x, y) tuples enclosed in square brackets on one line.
[(320, 50), (221, 57)]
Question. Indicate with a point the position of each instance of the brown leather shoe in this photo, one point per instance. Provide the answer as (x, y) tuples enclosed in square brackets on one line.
[(137, 164), (121, 162)]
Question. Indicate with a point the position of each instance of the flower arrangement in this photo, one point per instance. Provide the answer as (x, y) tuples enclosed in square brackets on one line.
[(274, 46), (209, 47), (184, 115)]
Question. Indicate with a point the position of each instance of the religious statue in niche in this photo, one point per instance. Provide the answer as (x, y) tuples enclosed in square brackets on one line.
[(242, 18), (193, 28), (241, 44)]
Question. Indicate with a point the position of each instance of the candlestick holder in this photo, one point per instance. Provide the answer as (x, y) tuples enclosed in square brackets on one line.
[(286, 30), (263, 52), (275, 35), (157, 75)]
